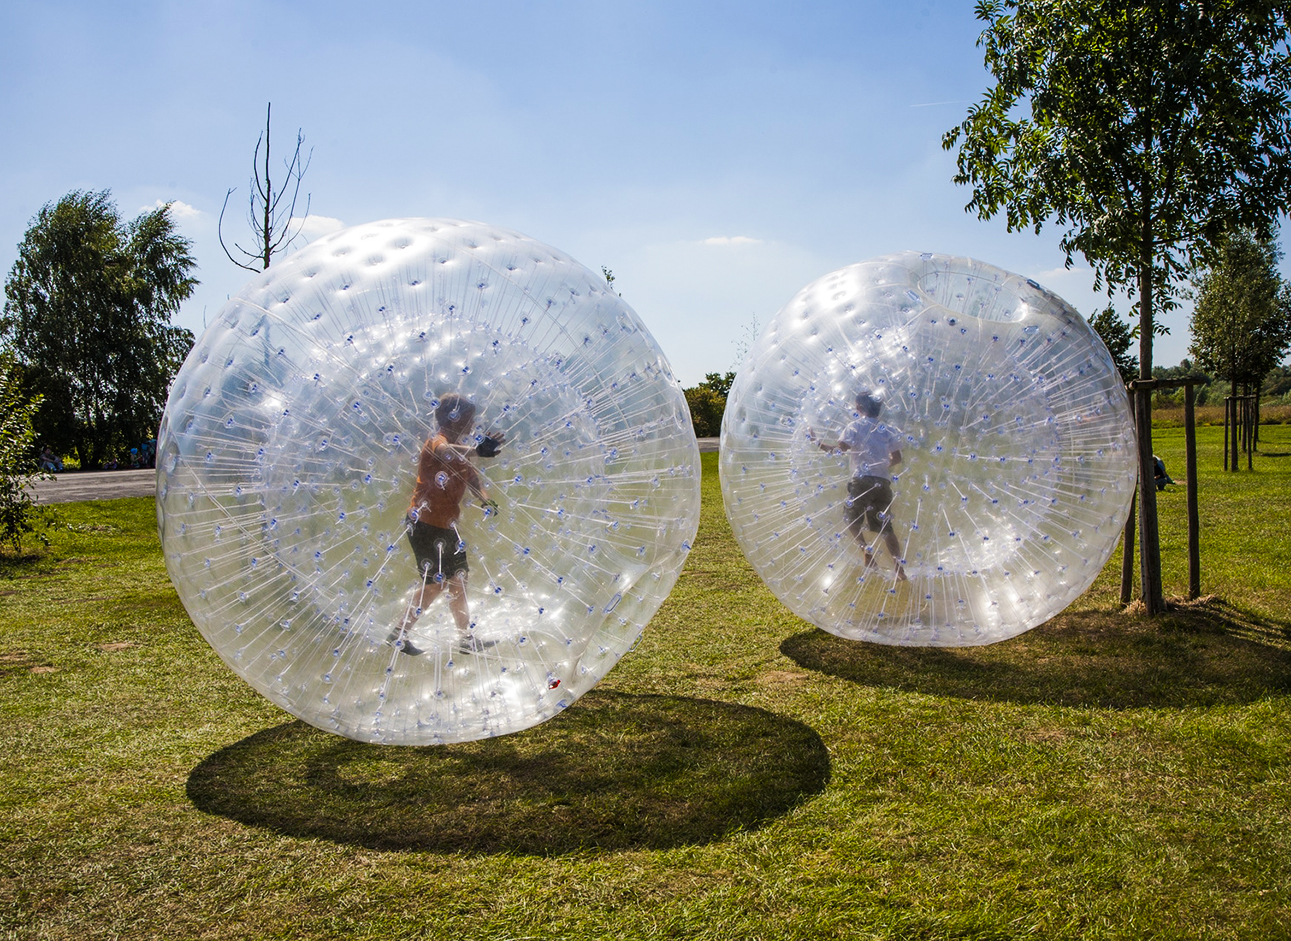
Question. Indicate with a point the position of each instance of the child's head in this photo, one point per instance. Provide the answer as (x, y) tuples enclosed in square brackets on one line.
[(868, 405), (454, 413)]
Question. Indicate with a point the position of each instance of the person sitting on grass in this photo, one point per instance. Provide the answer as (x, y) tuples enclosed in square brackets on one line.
[(444, 474), (872, 448), (49, 461), (1159, 473)]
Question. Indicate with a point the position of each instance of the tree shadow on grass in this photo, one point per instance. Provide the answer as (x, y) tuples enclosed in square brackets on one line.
[(615, 771), (1206, 653)]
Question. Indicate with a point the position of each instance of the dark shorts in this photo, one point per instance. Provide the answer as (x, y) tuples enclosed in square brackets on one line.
[(440, 553), (868, 502)]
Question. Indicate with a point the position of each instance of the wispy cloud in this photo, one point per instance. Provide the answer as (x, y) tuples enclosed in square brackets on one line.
[(938, 104), (732, 240), (178, 208), (314, 226)]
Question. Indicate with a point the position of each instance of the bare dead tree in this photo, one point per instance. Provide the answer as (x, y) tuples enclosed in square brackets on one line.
[(270, 216)]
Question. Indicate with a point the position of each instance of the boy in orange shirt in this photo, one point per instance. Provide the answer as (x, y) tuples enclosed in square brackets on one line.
[(444, 474)]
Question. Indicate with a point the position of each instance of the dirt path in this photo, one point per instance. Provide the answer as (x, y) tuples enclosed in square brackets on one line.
[(74, 486)]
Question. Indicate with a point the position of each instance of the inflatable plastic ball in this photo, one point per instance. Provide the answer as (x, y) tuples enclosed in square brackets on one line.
[(927, 450), (425, 481)]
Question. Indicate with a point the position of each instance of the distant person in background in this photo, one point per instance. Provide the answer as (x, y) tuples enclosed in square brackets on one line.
[(49, 461), (1158, 471)]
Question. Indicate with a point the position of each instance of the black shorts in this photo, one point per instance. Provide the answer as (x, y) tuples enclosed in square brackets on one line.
[(440, 553), (868, 502)]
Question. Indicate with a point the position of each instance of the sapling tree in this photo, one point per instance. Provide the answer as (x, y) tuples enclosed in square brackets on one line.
[(1144, 130)]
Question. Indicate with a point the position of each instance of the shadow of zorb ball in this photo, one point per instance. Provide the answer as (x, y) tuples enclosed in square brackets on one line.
[(1017, 454), (290, 451)]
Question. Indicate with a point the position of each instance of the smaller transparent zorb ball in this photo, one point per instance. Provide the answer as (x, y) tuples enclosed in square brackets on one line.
[(1012, 428), (289, 453)]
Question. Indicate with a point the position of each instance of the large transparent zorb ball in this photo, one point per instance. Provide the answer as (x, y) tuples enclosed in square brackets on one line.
[(289, 453), (1017, 454)]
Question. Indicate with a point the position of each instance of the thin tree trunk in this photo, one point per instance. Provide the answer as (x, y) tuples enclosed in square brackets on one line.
[(268, 191)]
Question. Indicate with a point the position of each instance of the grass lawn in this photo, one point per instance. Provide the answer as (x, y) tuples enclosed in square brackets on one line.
[(739, 775)]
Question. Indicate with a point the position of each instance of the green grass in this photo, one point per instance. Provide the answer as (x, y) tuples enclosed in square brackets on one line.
[(739, 775)]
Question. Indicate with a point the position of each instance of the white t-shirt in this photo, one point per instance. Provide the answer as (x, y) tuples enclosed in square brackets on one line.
[(870, 444)]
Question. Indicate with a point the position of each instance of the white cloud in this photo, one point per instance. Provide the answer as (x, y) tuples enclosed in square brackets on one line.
[(732, 240), (178, 209), (311, 227)]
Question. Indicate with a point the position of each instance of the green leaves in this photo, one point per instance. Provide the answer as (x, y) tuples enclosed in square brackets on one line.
[(1241, 327), (19, 515), (1144, 129), (87, 312)]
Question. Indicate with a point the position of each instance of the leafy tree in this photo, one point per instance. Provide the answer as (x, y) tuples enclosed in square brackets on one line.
[(270, 215), (1277, 383), (19, 514), (707, 403), (706, 408), (1118, 338), (87, 314), (1241, 326), (1145, 129), (719, 382)]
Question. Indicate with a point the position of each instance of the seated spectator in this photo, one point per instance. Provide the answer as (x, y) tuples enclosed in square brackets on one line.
[(1162, 478), (49, 461)]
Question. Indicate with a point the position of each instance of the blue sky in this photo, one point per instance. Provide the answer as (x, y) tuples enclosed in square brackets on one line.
[(716, 156)]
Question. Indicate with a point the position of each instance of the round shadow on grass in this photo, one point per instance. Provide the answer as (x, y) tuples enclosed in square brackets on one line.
[(615, 771), (1203, 654)]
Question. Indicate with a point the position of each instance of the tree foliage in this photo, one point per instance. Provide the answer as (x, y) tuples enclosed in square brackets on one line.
[(19, 514), (1241, 326), (1118, 338), (87, 315), (707, 403), (1153, 127), (271, 211)]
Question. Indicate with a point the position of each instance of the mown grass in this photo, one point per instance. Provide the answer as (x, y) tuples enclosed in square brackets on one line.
[(739, 775)]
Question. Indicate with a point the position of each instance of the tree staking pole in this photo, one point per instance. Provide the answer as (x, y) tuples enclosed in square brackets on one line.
[(1190, 468), (1142, 390)]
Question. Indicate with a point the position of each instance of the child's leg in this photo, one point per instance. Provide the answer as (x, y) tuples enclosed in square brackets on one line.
[(420, 601), (894, 547), (457, 603)]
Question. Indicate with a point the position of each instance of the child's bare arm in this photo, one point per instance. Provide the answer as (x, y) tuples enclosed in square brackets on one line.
[(825, 445)]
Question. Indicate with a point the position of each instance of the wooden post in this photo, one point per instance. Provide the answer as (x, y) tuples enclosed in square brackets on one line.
[(1248, 411), (1194, 519), (1227, 409), (1127, 553)]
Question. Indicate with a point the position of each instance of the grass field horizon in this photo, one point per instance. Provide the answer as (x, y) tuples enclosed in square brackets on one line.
[(739, 775)]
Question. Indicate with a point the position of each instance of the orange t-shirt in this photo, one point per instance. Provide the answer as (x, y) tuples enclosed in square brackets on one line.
[(443, 474)]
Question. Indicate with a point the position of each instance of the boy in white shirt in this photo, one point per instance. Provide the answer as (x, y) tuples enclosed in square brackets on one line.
[(873, 448)]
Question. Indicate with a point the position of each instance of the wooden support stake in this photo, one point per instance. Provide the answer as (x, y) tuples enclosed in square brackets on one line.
[(1227, 408), (1194, 519), (1127, 553), (1249, 414)]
